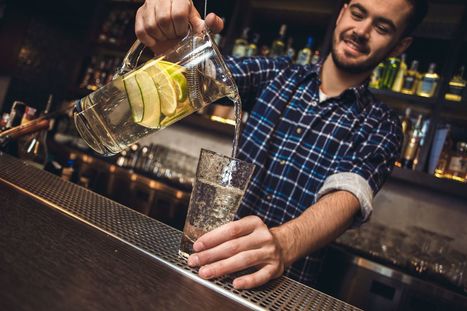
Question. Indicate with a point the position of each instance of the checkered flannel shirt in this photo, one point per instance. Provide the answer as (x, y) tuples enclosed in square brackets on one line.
[(304, 148)]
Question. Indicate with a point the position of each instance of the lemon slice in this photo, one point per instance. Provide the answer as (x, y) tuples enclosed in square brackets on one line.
[(166, 88), (176, 73), (135, 99), (151, 101)]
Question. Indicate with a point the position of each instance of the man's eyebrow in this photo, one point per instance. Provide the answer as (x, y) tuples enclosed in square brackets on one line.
[(379, 19)]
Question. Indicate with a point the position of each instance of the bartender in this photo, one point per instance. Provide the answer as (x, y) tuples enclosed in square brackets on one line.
[(322, 144)]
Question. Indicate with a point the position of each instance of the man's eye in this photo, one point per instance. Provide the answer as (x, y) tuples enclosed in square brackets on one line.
[(382, 29), (357, 16)]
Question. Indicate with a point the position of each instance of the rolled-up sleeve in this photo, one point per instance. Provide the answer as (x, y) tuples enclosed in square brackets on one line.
[(365, 168)]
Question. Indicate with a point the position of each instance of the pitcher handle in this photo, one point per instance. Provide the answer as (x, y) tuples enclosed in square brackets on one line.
[(131, 59)]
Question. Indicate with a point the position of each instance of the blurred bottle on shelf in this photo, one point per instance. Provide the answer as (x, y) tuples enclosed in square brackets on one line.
[(99, 72), (315, 58), (409, 86), (290, 49), (241, 44), (265, 51), (399, 80), (413, 144), (423, 133), (377, 75), (457, 165), (456, 86), (390, 73), (428, 82), (439, 153), (304, 55), (278, 45), (406, 123), (115, 28), (252, 49)]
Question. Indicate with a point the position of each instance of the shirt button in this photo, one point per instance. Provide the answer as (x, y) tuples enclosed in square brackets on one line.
[(269, 197), (282, 162), (299, 130)]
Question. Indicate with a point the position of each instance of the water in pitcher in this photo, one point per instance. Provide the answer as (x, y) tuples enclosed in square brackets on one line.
[(145, 101)]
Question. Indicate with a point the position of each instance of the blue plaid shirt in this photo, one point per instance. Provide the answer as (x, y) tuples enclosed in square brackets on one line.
[(302, 146)]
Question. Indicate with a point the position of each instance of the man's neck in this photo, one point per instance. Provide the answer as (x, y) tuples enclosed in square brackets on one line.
[(334, 81)]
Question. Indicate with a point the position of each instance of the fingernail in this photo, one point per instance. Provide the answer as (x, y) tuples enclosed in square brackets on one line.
[(198, 246), (193, 261), (205, 273)]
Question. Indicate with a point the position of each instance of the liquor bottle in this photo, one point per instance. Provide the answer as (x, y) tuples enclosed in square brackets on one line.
[(406, 128), (456, 86), (377, 75), (278, 45), (397, 85), (28, 115), (428, 82), (290, 50), (315, 58), (411, 149), (390, 72), (89, 74), (265, 51), (252, 49), (241, 44), (457, 167), (409, 86), (304, 55)]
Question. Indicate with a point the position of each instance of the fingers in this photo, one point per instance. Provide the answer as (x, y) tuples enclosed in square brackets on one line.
[(214, 23), (227, 232), (238, 262), (140, 30), (223, 251), (256, 279), (180, 17)]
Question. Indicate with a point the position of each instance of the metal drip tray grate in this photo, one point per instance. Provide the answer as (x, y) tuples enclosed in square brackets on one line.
[(154, 238)]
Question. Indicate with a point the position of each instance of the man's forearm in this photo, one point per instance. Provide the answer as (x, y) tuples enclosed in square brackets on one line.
[(317, 226)]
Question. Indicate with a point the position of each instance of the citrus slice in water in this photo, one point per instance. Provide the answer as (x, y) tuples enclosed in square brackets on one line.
[(166, 88), (176, 73), (151, 100), (135, 99)]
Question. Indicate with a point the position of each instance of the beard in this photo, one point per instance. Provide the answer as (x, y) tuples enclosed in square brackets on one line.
[(354, 67)]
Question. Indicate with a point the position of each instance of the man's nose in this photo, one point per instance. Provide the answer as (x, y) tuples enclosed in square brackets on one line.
[(363, 29)]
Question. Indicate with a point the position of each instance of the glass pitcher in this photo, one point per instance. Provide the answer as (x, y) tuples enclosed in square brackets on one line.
[(143, 100)]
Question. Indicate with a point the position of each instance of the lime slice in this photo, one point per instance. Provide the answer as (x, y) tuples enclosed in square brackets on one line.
[(167, 92), (135, 99), (151, 101), (176, 73)]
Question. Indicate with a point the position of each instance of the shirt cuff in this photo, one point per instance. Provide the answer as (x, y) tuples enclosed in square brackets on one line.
[(354, 184)]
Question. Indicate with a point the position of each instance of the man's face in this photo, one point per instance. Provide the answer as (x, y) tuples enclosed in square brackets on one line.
[(366, 32)]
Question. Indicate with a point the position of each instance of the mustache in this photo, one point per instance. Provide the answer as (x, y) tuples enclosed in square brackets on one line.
[(359, 41)]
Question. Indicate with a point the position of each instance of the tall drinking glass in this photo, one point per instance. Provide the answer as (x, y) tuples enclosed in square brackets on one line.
[(146, 99), (219, 187)]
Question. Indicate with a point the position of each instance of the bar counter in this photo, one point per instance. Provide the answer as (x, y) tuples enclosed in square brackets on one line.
[(65, 247)]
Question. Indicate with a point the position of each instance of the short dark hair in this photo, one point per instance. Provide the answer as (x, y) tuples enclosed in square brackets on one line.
[(417, 14)]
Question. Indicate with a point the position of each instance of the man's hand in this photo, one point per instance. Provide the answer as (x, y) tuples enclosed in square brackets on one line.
[(239, 245), (160, 23)]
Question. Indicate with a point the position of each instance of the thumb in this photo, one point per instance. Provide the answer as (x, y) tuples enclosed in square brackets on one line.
[(214, 23)]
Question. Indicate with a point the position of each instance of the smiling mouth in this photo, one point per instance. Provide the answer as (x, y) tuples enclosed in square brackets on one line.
[(357, 47)]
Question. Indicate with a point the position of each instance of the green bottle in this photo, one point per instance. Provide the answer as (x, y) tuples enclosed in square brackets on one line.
[(377, 76), (390, 73)]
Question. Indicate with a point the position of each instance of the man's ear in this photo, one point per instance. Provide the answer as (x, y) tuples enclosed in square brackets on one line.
[(401, 46)]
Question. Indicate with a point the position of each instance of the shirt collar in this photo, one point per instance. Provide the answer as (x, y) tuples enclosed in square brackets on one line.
[(357, 93)]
